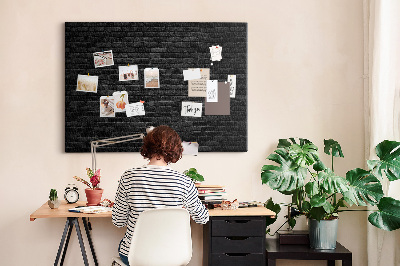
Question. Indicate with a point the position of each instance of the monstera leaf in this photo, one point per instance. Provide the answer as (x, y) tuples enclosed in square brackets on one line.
[(388, 216), (363, 188), (334, 146), (331, 183), (276, 208), (388, 153), (304, 155), (286, 177)]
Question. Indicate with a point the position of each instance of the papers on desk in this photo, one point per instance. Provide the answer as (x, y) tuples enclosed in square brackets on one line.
[(91, 209)]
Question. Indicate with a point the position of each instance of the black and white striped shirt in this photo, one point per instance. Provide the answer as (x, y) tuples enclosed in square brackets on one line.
[(151, 187)]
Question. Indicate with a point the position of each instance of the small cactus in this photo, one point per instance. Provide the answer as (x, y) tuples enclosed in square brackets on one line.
[(53, 195)]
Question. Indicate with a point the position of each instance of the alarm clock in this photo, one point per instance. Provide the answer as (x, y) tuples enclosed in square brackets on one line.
[(71, 194)]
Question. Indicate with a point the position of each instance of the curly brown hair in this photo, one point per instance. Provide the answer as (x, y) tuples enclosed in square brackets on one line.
[(163, 142)]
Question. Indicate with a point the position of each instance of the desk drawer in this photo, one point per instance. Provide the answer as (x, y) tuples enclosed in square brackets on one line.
[(238, 227), (237, 245), (237, 259)]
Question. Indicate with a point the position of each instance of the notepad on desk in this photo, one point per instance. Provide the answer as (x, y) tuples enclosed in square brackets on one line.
[(90, 209)]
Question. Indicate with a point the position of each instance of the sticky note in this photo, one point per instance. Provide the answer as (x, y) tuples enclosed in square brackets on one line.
[(212, 91), (191, 109), (190, 74)]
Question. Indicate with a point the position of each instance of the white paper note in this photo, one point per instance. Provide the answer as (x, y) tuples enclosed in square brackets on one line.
[(190, 148), (135, 109), (216, 53), (190, 74), (232, 85), (191, 109), (198, 87), (212, 91)]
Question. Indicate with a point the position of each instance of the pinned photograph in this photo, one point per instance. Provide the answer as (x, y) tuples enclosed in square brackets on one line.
[(128, 73), (121, 100), (87, 83), (107, 106), (102, 59), (151, 78), (135, 109)]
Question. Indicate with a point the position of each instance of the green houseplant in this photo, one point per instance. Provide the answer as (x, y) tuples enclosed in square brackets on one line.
[(194, 175), (320, 195), (53, 201)]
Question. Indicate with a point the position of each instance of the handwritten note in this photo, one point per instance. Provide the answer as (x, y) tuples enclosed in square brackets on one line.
[(198, 87), (216, 53), (190, 74), (191, 109), (232, 86), (212, 91), (135, 109)]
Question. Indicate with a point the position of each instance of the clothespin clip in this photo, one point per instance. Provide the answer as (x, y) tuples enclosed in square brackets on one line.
[(128, 64), (142, 101), (88, 74)]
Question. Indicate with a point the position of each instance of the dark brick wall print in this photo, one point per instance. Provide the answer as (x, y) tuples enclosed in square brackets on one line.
[(170, 47)]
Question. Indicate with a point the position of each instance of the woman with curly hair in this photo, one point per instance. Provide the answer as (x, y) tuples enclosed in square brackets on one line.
[(155, 185)]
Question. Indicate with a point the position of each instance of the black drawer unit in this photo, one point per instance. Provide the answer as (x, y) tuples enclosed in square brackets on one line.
[(234, 240)]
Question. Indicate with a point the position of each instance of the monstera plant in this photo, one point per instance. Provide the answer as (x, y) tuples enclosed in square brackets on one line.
[(320, 194)]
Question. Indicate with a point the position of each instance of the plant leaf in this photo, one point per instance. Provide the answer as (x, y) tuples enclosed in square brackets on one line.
[(364, 188), (284, 143), (292, 222), (319, 166), (276, 208), (388, 153), (304, 155), (287, 176), (320, 201), (311, 189), (317, 213), (388, 216), (332, 183), (332, 146)]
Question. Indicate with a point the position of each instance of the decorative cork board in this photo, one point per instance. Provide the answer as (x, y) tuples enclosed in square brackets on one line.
[(169, 47)]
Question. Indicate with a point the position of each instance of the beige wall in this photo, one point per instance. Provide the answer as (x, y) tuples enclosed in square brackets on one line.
[(305, 64)]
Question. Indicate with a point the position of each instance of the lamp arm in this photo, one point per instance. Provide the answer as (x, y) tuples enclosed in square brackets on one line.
[(110, 141)]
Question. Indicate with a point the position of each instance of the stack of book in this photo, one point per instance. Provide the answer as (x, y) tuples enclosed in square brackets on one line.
[(211, 194)]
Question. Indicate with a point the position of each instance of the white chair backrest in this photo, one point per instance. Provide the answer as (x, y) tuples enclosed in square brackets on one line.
[(161, 237)]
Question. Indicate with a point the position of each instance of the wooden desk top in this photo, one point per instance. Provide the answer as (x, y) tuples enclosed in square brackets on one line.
[(250, 211), (62, 212)]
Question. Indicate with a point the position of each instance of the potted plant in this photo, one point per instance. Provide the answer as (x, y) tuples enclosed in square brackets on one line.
[(194, 175), (53, 201), (93, 193), (320, 194)]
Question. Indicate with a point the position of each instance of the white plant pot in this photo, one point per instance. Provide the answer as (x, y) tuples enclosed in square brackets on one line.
[(54, 204)]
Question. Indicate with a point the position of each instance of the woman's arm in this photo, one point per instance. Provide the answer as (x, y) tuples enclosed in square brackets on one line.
[(193, 205), (120, 208)]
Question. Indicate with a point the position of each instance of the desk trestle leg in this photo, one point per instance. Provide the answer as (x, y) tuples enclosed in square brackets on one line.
[(85, 224), (78, 232), (67, 226), (66, 242)]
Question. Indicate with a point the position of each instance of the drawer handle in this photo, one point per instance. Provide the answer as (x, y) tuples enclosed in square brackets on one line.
[(236, 237), (237, 221), (236, 254)]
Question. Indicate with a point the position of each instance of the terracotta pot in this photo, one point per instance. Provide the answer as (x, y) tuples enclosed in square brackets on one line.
[(93, 196)]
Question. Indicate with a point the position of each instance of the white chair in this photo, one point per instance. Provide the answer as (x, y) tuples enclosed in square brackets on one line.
[(162, 237)]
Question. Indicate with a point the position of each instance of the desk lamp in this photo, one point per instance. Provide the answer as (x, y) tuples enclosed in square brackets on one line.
[(110, 141)]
